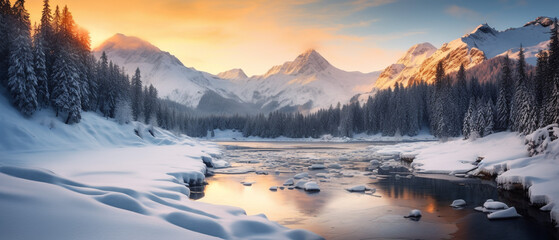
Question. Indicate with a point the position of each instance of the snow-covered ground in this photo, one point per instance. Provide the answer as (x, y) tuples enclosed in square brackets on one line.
[(99, 180), (503, 154), (231, 135)]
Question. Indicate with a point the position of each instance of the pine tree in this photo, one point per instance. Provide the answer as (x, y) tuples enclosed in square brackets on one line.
[(525, 119), (43, 95), (66, 96), (46, 34), (6, 27), (504, 100), (552, 105), (488, 118), (22, 82), (136, 95), (468, 122)]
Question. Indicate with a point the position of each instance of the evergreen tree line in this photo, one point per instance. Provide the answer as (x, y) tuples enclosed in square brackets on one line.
[(449, 107), (54, 67)]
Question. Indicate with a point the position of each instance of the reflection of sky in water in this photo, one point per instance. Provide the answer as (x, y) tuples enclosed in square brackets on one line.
[(337, 214)]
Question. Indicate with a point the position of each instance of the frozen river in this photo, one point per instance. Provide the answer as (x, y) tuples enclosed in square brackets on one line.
[(335, 213)]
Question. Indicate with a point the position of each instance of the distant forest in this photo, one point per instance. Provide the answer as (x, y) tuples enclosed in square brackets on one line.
[(51, 66)]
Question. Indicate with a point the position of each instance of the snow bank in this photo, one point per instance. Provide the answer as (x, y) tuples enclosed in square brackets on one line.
[(503, 155), (102, 180)]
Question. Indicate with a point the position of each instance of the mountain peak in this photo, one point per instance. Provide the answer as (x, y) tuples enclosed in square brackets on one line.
[(308, 62), (544, 21), (120, 41), (483, 28), (233, 74), (417, 53)]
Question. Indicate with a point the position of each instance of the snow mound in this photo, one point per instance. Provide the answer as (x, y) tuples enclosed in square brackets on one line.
[(301, 175), (301, 184), (504, 214), (311, 187), (289, 182), (458, 203), (358, 188), (495, 205)]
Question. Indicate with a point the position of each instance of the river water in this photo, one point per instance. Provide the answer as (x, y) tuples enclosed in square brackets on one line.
[(335, 213)]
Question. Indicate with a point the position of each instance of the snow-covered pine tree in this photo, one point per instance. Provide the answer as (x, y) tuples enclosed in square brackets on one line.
[(6, 25), (91, 66), (479, 123), (461, 92), (136, 95), (22, 82), (468, 122), (552, 102), (488, 118), (504, 99), (523, 112), (65, 95), (46, 33), (552, 105), (43, 95)]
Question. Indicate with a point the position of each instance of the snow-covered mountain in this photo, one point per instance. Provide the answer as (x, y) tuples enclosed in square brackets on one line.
[(406, 66), (233, 74), (483, 43), (171, 78), (307, 83)]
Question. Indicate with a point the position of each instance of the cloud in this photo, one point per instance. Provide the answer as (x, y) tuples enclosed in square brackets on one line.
[(462, 12)]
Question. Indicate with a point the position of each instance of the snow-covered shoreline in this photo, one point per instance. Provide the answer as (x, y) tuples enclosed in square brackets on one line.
[(503, 155), (102, 180)]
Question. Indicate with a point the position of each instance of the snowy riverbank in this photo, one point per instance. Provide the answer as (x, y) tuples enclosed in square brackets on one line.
[(99, 180), (502, 154)]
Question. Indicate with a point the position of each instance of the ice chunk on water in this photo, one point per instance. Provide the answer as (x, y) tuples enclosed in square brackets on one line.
[(547, 207), (415, 213), (247, 183), (273, 188), (301, 183), (322, 175), (495, 205), (311, 187), (335, 166), (458, 203), (289, 182), (301, 175), (317, 166), (221, 164), (502, 214), (358, 188)]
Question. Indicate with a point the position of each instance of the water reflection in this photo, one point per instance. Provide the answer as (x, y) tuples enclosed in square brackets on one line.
[(337, 214)]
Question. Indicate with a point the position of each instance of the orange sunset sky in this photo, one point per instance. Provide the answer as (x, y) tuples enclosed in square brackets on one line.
[(354, 35)]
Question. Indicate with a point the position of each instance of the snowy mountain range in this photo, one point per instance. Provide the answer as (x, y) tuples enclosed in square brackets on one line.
[(309, 82), (472, 49)]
